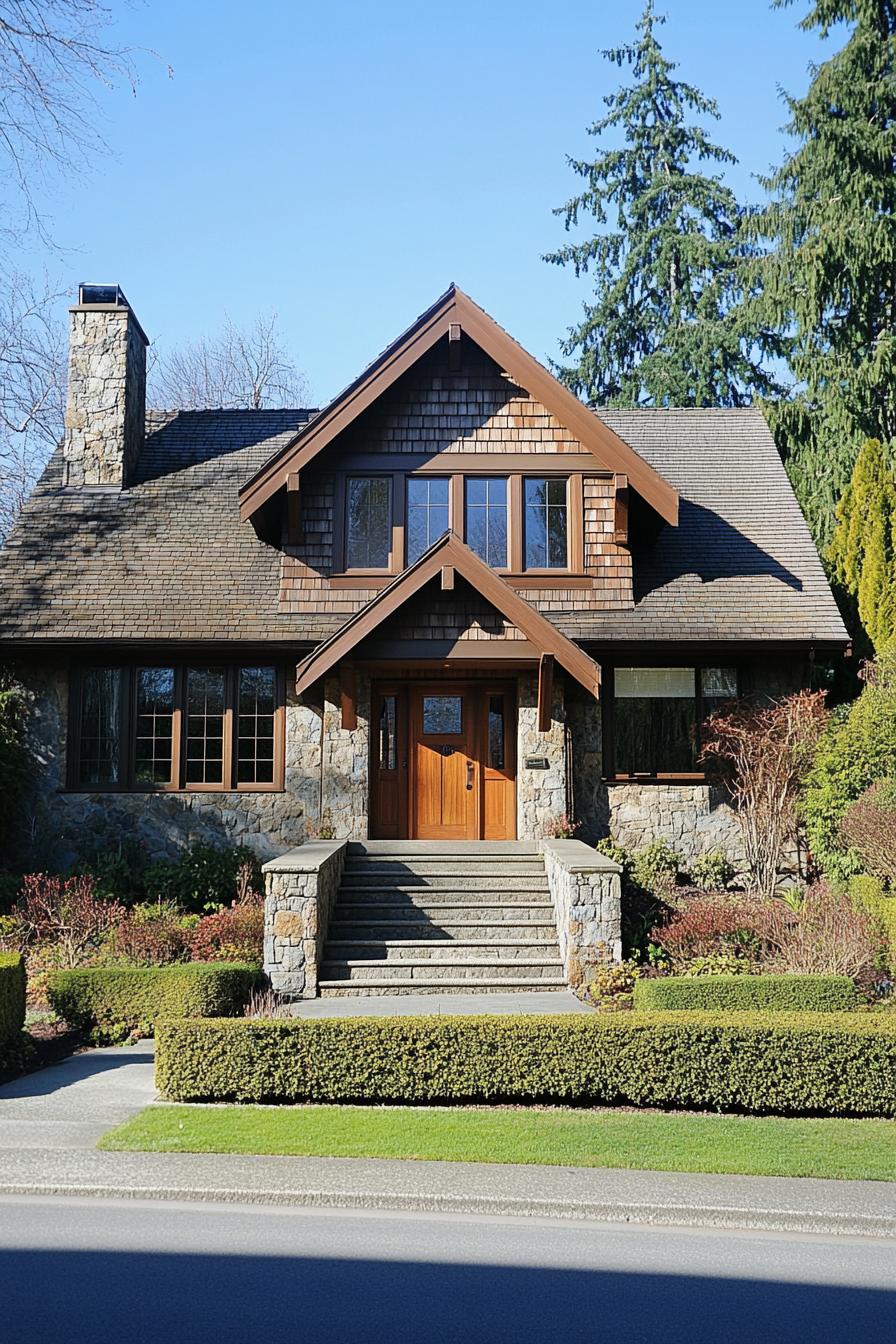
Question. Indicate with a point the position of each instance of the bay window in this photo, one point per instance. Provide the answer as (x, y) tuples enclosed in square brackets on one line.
[(652, 718), (215, 727)]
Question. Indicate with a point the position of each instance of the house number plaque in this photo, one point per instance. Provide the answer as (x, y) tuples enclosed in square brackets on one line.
[(536, 762)]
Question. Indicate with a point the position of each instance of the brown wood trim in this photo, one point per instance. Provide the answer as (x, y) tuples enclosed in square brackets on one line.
[(607, 447), (620, 509), (545, 691), (447, 578), (442, 463), (457, 519), (348, 699), (293, 510), (450, 550), (440, 652), (575, 520), (515, 522)]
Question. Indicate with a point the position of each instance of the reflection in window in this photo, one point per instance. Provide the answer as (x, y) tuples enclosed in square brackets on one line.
[(100, 719), (719, 686), (427, 514), (496, 732), (442, 714), (205, 726), (368, 527), (486, 519), (256, 702), (154, 720), (545, 523), (387, 734), (655, 716)]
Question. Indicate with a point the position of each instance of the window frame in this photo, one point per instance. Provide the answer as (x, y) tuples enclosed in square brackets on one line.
[(397, 514), (405, 520), (127, 782), (511, 525), (608, 727), (546, 569)]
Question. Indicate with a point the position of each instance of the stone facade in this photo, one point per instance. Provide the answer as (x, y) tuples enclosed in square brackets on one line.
[(541, 794), (300, 892), (587, 896), (106, 403)]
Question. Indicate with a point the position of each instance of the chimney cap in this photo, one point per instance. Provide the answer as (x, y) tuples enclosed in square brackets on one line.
[(106, 295)]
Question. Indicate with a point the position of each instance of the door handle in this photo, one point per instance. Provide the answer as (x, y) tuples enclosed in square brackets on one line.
[(469, 774)]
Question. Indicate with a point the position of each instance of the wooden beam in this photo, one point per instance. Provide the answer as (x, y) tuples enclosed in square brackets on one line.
[(447, 578), (545, 691), (348, 697), (293, 509), (620, 509), (454, 347)]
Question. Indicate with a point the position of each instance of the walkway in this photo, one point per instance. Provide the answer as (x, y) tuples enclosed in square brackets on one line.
[(391, 1005)]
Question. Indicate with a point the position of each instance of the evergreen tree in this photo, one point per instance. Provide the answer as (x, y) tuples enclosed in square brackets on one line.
[(828, 283), (862, 554), (660, 329)]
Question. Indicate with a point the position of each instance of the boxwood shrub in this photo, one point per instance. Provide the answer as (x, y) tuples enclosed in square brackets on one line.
[(111, 1003), (828, 1064), (12, 997), (741, 993)]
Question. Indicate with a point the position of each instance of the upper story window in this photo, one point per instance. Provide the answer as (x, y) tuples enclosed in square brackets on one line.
[(655, 717), (486, 519), (545, 526), (368, 522), (427, 513), (195, 727)]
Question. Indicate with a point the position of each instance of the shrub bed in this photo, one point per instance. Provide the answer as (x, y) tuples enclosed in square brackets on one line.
[(111, 1003), (743, 993), (800, 1063)]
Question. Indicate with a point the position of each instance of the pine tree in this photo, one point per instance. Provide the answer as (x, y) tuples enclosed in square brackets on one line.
[(828, 283), (862, 553), (660, 329)]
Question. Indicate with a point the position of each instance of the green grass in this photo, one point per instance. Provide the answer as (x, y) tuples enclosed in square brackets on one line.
[(651, 1140)]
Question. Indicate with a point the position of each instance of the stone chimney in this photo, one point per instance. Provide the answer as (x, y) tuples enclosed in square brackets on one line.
[(106, 404)]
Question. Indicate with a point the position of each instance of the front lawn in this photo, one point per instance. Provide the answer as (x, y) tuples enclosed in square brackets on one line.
[(554, 1136)]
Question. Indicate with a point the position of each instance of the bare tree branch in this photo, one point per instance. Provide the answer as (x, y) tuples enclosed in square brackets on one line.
[(240, 369)]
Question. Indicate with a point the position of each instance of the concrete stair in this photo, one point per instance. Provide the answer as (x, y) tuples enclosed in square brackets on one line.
[(425, 918)]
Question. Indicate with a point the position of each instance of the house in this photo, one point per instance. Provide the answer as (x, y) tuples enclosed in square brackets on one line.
[(454, 605)]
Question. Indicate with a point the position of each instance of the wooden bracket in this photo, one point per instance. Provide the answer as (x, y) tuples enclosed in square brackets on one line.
[(348, 698), (545, 691), (447, 578), (620, 509), (293, 509)]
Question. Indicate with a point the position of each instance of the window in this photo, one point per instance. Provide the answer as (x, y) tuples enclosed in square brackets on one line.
[(486, 519), (149, 728), (545, 524), (656, 715), (427, 514), (442, 714), (388, 733), (496, 732), (368, 525), (99, 717)]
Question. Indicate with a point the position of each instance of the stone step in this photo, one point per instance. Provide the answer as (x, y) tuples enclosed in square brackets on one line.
[(455, 970), (430, 909), (450, 867), (354, 931), (396, 951), (339, 989), (508, 887), (465, 849)]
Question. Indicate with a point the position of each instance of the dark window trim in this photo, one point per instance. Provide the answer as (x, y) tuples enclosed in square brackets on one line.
[(128, 672), (608, 727), (398, 506)]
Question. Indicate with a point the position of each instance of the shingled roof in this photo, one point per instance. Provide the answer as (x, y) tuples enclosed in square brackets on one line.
[(168, 559)]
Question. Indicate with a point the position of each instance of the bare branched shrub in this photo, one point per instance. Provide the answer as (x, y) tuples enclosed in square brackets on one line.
[(827, 936), (66, 912), (264, 1003), (762, 752), (869, 827)]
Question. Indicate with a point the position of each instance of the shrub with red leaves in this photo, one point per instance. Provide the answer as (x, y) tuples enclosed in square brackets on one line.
[(155, 936), (234, 934), (66, 912), (715, 924)]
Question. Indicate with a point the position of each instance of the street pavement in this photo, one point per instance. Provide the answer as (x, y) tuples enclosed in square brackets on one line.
[(107, 1270)]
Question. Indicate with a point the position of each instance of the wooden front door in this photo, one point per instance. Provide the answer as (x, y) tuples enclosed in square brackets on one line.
[(443, 761)]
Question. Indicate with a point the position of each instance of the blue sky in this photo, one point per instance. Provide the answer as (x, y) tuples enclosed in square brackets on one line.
[(340, 163)]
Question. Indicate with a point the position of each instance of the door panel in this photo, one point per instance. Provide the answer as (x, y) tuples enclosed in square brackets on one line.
[(388, 764), (445, 774)]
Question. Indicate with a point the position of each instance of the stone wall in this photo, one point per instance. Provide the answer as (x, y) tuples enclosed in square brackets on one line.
[(586, 892), (106, 403), (541, 796), (300, 892)]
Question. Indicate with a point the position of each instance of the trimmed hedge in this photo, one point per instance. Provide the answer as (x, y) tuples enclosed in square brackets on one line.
[(12, 997), (111, 1003), (868, 894), (829, 1064), (745, 993)]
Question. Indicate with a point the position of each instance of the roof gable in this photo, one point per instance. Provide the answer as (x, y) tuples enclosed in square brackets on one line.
[(450, 552), (611, 452)]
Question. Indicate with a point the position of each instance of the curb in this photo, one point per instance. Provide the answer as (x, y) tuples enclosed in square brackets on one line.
[(669, 1215)]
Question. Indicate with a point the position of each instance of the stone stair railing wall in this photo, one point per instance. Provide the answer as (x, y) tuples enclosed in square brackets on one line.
[(586, 891), (300, 892)]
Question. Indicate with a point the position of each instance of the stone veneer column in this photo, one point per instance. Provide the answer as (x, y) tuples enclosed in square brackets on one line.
[(300, 892), (587, 894), (106, 399), (541, 794)]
